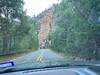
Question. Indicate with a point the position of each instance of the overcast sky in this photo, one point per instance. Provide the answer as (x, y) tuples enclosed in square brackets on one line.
[(35, 7)]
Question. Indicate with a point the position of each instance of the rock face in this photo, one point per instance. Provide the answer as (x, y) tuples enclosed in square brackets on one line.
[(45, 28)]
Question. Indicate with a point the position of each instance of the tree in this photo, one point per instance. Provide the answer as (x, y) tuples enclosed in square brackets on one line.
[(76, 28), (9, 11)]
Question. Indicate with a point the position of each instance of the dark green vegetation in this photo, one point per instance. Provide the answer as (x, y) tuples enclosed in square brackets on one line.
[(77, 32), (76, 28), (18, 32)]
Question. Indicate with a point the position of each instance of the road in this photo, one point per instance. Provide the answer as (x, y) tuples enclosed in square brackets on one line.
[(42, 55)]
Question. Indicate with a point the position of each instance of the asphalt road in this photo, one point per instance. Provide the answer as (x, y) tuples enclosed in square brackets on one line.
[(42, 55)]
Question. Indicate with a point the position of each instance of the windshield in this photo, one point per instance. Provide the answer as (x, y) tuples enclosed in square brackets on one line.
[(46, 32)]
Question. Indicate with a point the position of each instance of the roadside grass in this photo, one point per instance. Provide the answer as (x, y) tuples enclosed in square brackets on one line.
[(14, 54), (66, 57), (7, 58)]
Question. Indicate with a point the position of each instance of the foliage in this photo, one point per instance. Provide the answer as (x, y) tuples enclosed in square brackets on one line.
[(16, 28), (77, 29)]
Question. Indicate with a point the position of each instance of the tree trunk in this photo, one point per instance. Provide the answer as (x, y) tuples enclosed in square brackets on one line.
[(96, 50), (6, 43)]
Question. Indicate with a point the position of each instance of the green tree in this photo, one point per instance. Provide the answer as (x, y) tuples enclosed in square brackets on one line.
[(9, 11), (76, 28)]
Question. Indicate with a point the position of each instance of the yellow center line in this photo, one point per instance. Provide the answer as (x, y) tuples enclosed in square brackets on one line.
[(40, 58)]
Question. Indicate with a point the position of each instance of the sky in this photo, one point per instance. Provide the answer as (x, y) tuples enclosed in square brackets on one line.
[(34, 7)]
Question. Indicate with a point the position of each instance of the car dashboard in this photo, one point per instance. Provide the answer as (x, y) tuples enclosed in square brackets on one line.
[(58, 71)]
